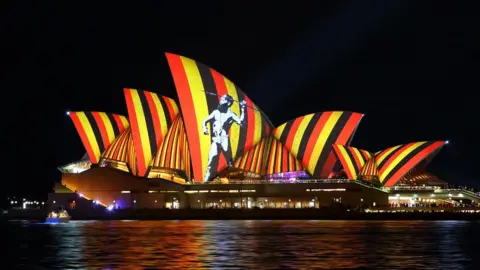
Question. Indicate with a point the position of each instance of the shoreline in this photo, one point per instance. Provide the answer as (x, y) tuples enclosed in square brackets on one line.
[(241, 214)]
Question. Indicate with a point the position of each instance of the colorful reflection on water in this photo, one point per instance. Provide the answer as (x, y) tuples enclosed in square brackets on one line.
[(243, 245)]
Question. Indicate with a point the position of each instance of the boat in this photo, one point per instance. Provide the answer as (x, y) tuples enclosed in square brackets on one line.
[(61, 216)]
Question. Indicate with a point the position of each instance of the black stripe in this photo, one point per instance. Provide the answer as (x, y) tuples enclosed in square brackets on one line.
[(306, 135), (286, 131), (175, 138), (365, 155), (266, 151), (269, 143), (166, 111), (352, 158), (291, 167), (210, 87), (263, 127), (384, 161), (337, 166), (365, 168), (428, 159), (172, 148), (149, 122), (116, 128), (333, 136), (111, 149), (212, 104), (260, 155), (353, 133), (124, 147), (278, 156), (96, 131), (242, 138), (169, 149), (271, 154), (406, 159)]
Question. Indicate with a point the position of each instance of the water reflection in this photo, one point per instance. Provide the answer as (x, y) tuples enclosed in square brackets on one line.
[(244, 244)]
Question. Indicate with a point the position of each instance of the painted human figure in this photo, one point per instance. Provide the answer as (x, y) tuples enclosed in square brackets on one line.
[(221, 120)]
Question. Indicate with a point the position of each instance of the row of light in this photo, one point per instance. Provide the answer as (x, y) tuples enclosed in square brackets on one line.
[(27, 202), (433, 195)]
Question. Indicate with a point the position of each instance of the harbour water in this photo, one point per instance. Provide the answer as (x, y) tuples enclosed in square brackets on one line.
[(241, 245)]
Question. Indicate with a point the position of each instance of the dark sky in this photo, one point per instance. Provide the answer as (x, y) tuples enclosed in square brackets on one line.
[(410, 66)]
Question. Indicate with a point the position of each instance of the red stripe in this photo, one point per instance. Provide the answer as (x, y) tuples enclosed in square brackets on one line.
[(188, 110), (258, 159), (355, 157), (313, 138), (220, 85), (103, 129), (249, 160), (277, 157), (169, 102), (284, 160), (291, 160), (262, 155), (140, 158), (379, 156), (342, 139), (83, 137), (169, 148), (328, 167), (118, 121), (397, 152), (412, 163), (366, 155), (117, 144), (270, 150), (221, 89), (292, 132), (152, 109), (250, 122)]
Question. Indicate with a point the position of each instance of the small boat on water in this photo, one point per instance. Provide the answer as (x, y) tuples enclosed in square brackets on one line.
[(61, 216)]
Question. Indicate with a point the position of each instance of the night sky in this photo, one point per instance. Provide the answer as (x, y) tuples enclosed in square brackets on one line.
[(410, 66)]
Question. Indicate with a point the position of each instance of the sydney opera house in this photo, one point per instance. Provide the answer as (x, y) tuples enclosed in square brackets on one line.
[(213, 147)]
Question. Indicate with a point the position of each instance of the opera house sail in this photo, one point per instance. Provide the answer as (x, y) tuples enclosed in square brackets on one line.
[(212, 145)]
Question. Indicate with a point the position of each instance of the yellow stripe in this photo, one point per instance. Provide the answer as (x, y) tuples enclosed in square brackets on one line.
[(174, 149), (124, 121), (257, 135), (253, 165), (321, 140), (142, 127), (279, 157), (123, 153), (161, 116), (270, 153), (388, 151), (278, 131), (243, 160), (274, 157), (200, 106), (174, 105), (359, 156), (349, 161), (108, 127), (89, 132), (299, 135), (234, 129), (399, 159), (262, 157)]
